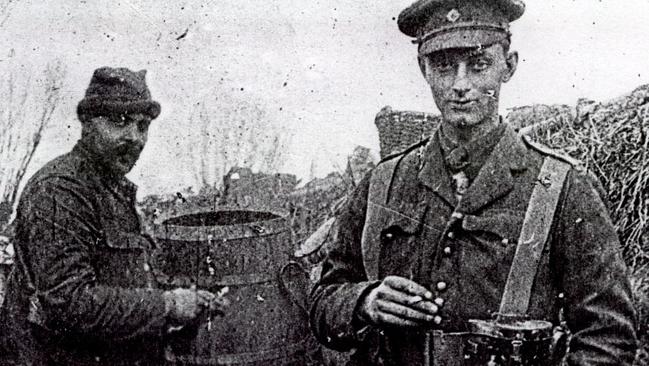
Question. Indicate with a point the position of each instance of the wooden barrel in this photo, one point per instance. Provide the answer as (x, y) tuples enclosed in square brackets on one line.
[(249, 252)]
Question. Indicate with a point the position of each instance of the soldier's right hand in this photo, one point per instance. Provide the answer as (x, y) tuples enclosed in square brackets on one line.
[(398, 301), (185, 305)]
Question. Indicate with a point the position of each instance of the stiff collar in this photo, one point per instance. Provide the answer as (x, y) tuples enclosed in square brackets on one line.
[(471, 156), (494, 180)]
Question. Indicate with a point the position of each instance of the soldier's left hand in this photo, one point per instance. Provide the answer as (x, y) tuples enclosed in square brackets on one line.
[(398, 301)]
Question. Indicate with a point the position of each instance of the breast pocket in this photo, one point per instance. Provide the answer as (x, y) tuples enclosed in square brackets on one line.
[(487, 247), (124, 260), (400, 238)]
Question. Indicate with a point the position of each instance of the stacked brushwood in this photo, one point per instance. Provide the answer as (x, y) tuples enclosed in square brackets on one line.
[(611, 140), (400, 129), (314, 203)]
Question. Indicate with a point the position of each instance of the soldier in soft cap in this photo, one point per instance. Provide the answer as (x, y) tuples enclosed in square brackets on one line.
[(426, 242), (83, 290)]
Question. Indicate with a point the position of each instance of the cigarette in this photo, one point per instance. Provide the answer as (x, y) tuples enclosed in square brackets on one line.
[(223, 291), (415, 300)]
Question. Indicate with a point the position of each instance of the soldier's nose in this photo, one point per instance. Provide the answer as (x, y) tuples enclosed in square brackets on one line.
[(461, 85), (133, 134)]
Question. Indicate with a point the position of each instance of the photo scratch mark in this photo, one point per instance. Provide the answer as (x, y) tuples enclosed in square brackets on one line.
[(183, 35), (413, 219)]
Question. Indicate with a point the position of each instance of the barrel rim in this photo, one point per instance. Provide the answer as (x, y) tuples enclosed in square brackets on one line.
[(196, 210), (271, 226)]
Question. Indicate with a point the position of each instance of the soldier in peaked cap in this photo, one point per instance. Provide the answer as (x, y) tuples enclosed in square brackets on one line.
[(439, 25), (83, 292), (471, 246)]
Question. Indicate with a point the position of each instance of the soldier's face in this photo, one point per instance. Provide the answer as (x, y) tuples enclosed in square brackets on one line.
[(118, 140), (466, 82)]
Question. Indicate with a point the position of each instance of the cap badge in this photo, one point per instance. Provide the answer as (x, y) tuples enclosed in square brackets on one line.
[(453, 15)]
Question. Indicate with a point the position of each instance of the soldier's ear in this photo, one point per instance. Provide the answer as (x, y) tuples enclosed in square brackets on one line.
[(512, 64)]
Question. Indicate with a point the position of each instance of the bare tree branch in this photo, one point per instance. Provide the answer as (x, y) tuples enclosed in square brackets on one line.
[(6, 6), (235, 133), (29, 109)]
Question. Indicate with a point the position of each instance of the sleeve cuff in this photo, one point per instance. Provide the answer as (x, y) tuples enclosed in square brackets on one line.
[(351, 327)]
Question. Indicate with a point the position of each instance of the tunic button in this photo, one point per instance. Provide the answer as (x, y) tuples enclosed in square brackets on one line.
[(389, 235), (147, 267), (439, 302), (451, 235), (505, 241), (448, 251), (441, 286)]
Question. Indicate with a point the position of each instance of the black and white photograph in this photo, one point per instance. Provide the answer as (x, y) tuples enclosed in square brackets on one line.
[(324, 183)]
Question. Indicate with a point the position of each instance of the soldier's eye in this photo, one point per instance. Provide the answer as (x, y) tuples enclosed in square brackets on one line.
[(481, 64), (443, 66), (120, 121)]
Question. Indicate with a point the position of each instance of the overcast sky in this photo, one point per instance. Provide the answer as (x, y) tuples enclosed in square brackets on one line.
[(323, 68)]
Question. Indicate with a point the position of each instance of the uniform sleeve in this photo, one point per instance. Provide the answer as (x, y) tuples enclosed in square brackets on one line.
[(59, 233), (343, 283), (599, 307)]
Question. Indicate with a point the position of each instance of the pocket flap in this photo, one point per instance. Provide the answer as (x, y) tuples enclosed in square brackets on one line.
[(505, 224)]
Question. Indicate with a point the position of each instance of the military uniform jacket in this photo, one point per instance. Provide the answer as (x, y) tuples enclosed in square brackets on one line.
[(467, 264), (82, 292)]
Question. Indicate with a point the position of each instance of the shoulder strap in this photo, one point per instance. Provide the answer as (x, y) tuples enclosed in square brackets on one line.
[(545, 150), (534, 235)]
